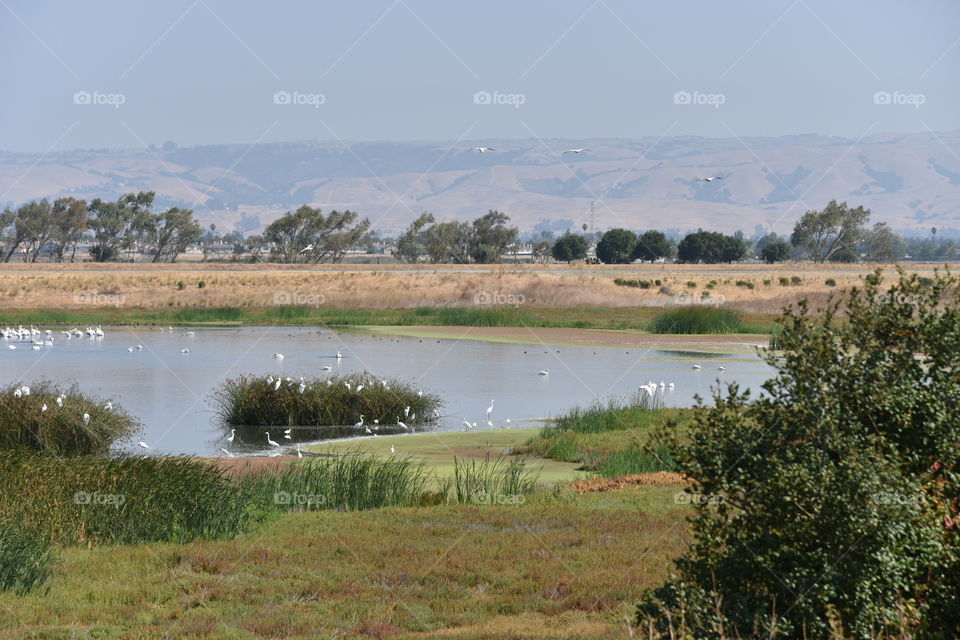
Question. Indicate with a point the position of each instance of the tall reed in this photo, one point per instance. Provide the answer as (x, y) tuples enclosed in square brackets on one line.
[(118, 500), (24, 559), (503, 480), (353, 481), (698, 320)]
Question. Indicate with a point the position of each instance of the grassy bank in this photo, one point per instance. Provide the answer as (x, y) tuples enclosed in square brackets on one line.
[(636, 318), (566, 566), (609, 439)]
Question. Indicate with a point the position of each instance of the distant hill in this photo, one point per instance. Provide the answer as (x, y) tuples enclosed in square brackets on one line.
[(910, 181)]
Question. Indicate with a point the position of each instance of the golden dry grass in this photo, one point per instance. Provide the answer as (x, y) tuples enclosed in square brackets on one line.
[(24, 286)]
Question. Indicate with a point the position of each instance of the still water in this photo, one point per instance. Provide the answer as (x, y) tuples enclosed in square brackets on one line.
[(170, 391)]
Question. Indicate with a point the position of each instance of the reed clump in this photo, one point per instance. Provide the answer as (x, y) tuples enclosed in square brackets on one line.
[(118, 500), (323, 404), (697, 319), (43, 417)]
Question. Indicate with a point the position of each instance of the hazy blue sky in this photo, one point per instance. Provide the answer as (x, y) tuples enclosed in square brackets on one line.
[(207, 71)]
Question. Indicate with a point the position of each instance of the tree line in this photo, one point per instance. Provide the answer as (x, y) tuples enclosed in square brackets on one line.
[(129, 224)]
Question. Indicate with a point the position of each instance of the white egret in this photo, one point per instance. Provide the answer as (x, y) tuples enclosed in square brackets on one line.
[(271, 442), (339, 355), (302, 388), (86, 418), (489, 410), (309, 247), (543, 372), (278, 356), (482, 149), (574, 151), (359, 424), (130, 349), (392, 450), (43, 409), (276, 385), (299, 453), (712, 178), (721, 368), (233, 433), (185, 351), (143, 444), (401, 425), (59, 401), (286, 434), (359, 387), (697, 366), (406, 412), (326, 368)]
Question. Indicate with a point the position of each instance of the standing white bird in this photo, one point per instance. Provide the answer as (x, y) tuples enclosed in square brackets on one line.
[(697, 366), (467, 424), (482, 149), (392, 450), (406, 412), (339, 355), (721, 368), (233, 434), (543, 372), (276, 385), (108, 406), (43, 409), (489, 410), (326, 367), (286, 434), (86, 418), (271, 442), (401, 425), (302, 388), (299, 453), (359, 424), (347, 385), (59, 401), (359, 387)]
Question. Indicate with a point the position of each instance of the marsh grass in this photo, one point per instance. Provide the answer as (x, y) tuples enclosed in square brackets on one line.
[(60, 430), (354, 481), (696, 319), (614, 415), (118, 500), (633, 460), (501, 480), (327, 407), (25, 561)]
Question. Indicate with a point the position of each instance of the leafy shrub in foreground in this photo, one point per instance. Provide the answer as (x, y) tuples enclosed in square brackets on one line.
[(830, 507)]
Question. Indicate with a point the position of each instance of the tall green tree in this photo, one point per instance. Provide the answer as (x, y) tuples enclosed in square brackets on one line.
[(569, 248), (775, 251), (117, 226), (172, 232), (70, 224), (823, 233), (652, 245), (307, 235), (616, 246), (411, 245), (491, 236), (710, 247), (881, 244), (449, 242)]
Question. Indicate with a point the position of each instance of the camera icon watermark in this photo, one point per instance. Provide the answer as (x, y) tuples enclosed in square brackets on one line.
[(685, 497), (115, 500), (699, 298), (497, 98), (484, 497), (714, 100), (485, 298), (298, 98), (894, 498), (900, 99), (97, 98), (295, 499), (98, 299), (297, 298)]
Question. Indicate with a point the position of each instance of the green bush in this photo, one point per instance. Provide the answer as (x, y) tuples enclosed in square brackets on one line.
[(768, 282), (24, 560), (37, 421), (691, 284), (795, 280), (201, 284), (657, 282), (641, 284), (181, 285), (828, 507), (830, 282), (697, 319), (784, 282)]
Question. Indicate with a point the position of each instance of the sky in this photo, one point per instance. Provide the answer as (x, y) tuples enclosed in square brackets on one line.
[(121, 74)]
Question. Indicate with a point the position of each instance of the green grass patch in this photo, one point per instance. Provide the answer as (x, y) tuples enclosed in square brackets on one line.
[(497, 481), (697, 319), (24, 560)]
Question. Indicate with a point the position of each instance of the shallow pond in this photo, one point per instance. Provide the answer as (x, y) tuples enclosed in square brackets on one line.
[(170, 390)]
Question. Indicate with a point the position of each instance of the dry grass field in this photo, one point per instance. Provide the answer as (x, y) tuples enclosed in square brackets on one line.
[(72, 286)]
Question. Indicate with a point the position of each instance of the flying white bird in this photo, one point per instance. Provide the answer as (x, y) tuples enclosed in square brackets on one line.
[(543, 372), (309, 247), (143, 444), (184, 350), (712, 178), (278, 356), (574, 151), (721, 368), (482, 149)]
